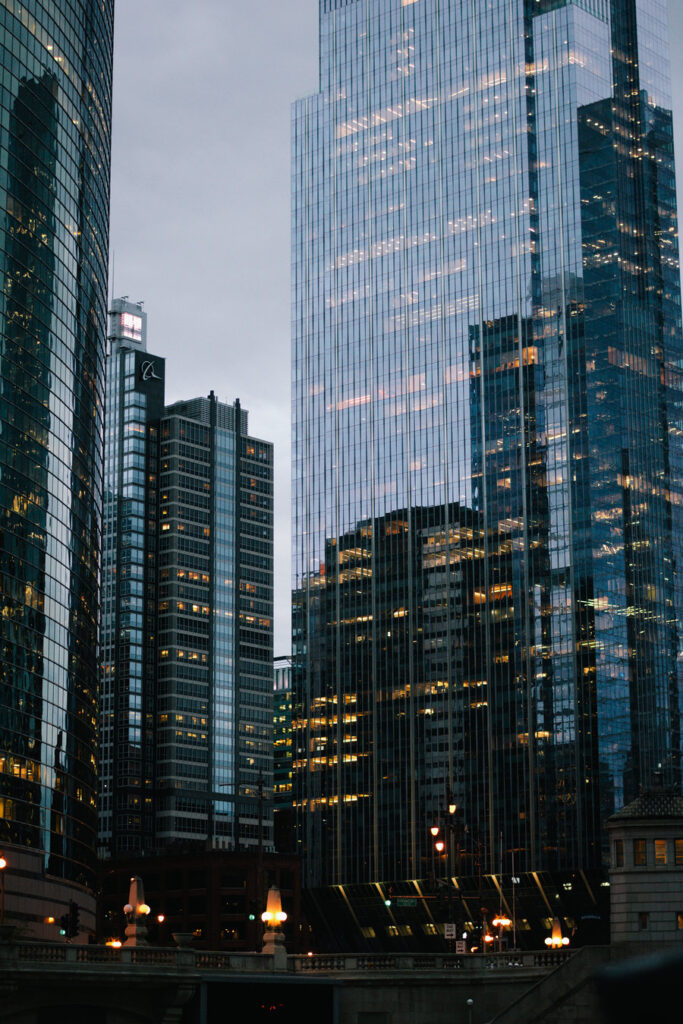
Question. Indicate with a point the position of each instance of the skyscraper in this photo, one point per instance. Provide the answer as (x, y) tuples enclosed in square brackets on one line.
[(187, 629), (128, 667), (283, 819), (214, 754), (487, 430), (55, 104)]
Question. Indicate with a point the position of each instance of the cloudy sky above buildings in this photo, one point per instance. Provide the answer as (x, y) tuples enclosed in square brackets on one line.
[(201, 199)]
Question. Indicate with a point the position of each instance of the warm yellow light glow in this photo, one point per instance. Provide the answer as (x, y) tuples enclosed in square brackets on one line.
[(273, 915), (143, 909), (114, 943), (488, 938), (556, 940), (501, 922), (439, 846), (434, 830), (160, 918), (49, 920), (3, 862)]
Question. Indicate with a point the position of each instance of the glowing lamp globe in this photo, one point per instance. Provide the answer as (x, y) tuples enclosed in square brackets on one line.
[(273, 915)]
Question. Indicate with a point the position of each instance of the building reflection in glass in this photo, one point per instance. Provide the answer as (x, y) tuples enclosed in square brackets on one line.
[(486, 324), (54, 174), (399, 620)]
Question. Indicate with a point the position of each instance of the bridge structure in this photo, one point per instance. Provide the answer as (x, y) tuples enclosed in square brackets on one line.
[(44, 983), (61, 983)]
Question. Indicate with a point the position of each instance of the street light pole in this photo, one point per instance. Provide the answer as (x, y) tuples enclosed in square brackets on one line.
[(515, 883)]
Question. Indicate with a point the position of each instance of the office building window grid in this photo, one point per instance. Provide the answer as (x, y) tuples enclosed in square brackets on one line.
[(485, 403), (187, 628), (55, 119)]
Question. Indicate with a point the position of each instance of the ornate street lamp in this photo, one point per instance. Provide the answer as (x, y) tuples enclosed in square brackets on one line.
[(557, 939), (273, 918), (137, 912)]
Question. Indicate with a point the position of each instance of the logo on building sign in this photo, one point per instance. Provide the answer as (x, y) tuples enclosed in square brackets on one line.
[(148, 371)]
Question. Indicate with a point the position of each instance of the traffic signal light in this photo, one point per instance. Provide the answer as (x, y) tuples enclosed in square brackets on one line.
[(69, 923), (74, 919)]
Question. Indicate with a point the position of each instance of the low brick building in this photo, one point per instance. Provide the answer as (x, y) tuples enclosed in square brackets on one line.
[(217, 896)]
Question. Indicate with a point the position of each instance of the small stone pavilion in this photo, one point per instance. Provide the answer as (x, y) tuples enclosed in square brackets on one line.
[(646, 873)]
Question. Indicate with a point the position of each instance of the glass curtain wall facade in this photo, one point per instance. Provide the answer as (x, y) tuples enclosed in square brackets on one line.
[(134, 407), (55, 125), (187, 634), (283, 818), (282, 737), (486, 405), (215, 627)]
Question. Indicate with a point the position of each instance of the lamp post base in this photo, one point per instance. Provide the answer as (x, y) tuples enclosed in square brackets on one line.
[(274, 945)]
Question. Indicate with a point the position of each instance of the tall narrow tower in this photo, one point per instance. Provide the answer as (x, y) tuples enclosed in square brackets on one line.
[(487, 444), (128, 681), (55, 105)]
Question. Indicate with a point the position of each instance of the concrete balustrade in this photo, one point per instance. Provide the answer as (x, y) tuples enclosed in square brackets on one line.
[(27, 953)]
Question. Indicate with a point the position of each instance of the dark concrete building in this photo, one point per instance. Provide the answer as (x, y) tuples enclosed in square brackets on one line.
[(216, 897)]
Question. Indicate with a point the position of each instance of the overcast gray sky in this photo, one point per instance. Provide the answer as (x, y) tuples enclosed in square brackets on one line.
[(200, 201)]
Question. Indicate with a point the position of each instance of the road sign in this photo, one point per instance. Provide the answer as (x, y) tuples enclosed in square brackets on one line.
[(449, 930), (461, 946), (405, 901)]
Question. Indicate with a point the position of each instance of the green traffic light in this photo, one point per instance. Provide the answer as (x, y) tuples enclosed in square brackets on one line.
[(252, 917)]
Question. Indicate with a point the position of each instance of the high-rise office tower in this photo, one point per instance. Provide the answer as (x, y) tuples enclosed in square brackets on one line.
[(214, 758), (134, 408), (487, 431), (187, 630), (55, 106), (283, 819)]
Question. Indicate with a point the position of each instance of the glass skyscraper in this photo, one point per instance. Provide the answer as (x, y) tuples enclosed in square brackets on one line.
[(487, 431), (134, 407), (214, 732), (187, 613), (283, 820), (55, 125)]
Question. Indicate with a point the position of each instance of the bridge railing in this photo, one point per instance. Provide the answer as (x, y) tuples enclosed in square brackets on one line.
[(188, 959), (511, 961)]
